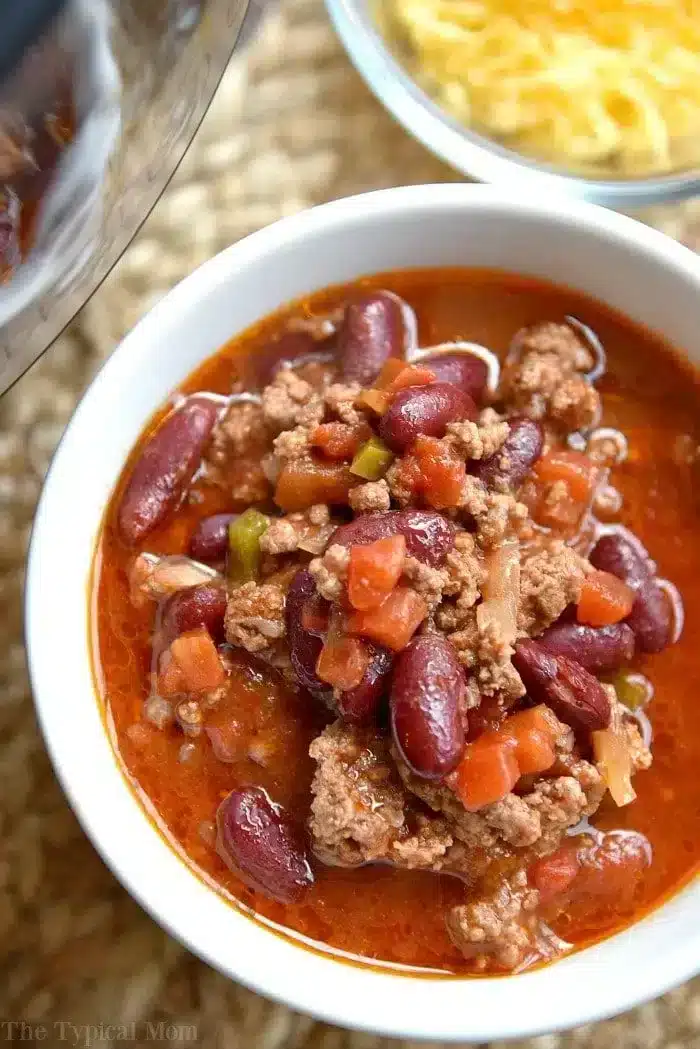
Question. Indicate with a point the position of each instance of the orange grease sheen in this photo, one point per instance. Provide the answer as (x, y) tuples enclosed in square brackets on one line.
[(654, 398)]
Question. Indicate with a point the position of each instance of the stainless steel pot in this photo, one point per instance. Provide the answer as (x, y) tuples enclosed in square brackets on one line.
[(142, 74)]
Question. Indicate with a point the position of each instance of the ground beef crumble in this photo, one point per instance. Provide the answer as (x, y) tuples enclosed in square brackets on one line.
[(237, 447), (255, 618), (427, 581), (545, 378), (330, 572), (372, 497), (361, 813), (501, 927), (241, 432), (497, 515), (340, 400), (478, 440), (551, 576), (290, 401), (399, 483), (309, 531), (293, 444)]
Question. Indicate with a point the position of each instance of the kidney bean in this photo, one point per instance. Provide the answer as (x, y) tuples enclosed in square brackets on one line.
[(465, 370), (651, 618), (258, 842), (510, 465), (360, 703), (596, 648), (304, 646), (429, 536), (426, 696), (424, 411), (209, 541), (375, 327), (576, 697), (165, 467), (196, 606), (622, 557)]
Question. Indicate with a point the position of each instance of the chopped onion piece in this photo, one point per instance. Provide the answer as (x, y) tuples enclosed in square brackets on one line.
[(155, 577), (501, 590), (613, 759), (174, 572)]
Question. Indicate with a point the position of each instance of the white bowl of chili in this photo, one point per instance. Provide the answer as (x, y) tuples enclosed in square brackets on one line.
[(632, 269)]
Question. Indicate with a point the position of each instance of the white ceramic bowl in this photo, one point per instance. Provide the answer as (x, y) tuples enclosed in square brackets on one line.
[(631, 267)]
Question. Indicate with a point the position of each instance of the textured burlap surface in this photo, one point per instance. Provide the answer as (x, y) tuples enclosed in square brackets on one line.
[(290, 126)]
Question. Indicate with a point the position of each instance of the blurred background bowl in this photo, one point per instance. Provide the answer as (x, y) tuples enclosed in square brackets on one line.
[(478, 157)]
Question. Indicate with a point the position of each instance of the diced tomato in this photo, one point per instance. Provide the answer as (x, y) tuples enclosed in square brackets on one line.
[(390, 371), (553, 875), (522, 745), (487, 772), (306, 481), (605, 599), (395, 375), (532, 732), (442, 474), (560, 512), (339, 440), (342, 662), (395, 621), (374, 571), (412, 375), (409, 375), (575, 468), (195, 654)]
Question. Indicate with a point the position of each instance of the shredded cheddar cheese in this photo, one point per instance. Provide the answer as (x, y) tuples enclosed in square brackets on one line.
[(602, 84)]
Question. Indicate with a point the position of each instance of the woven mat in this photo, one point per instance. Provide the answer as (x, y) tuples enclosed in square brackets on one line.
[(290, 127)]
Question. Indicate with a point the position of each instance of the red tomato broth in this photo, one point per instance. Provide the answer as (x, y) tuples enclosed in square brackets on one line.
[(649, 393)]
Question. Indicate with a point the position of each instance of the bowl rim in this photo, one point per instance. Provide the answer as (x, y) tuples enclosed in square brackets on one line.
[(471, 153), (278, 967)]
